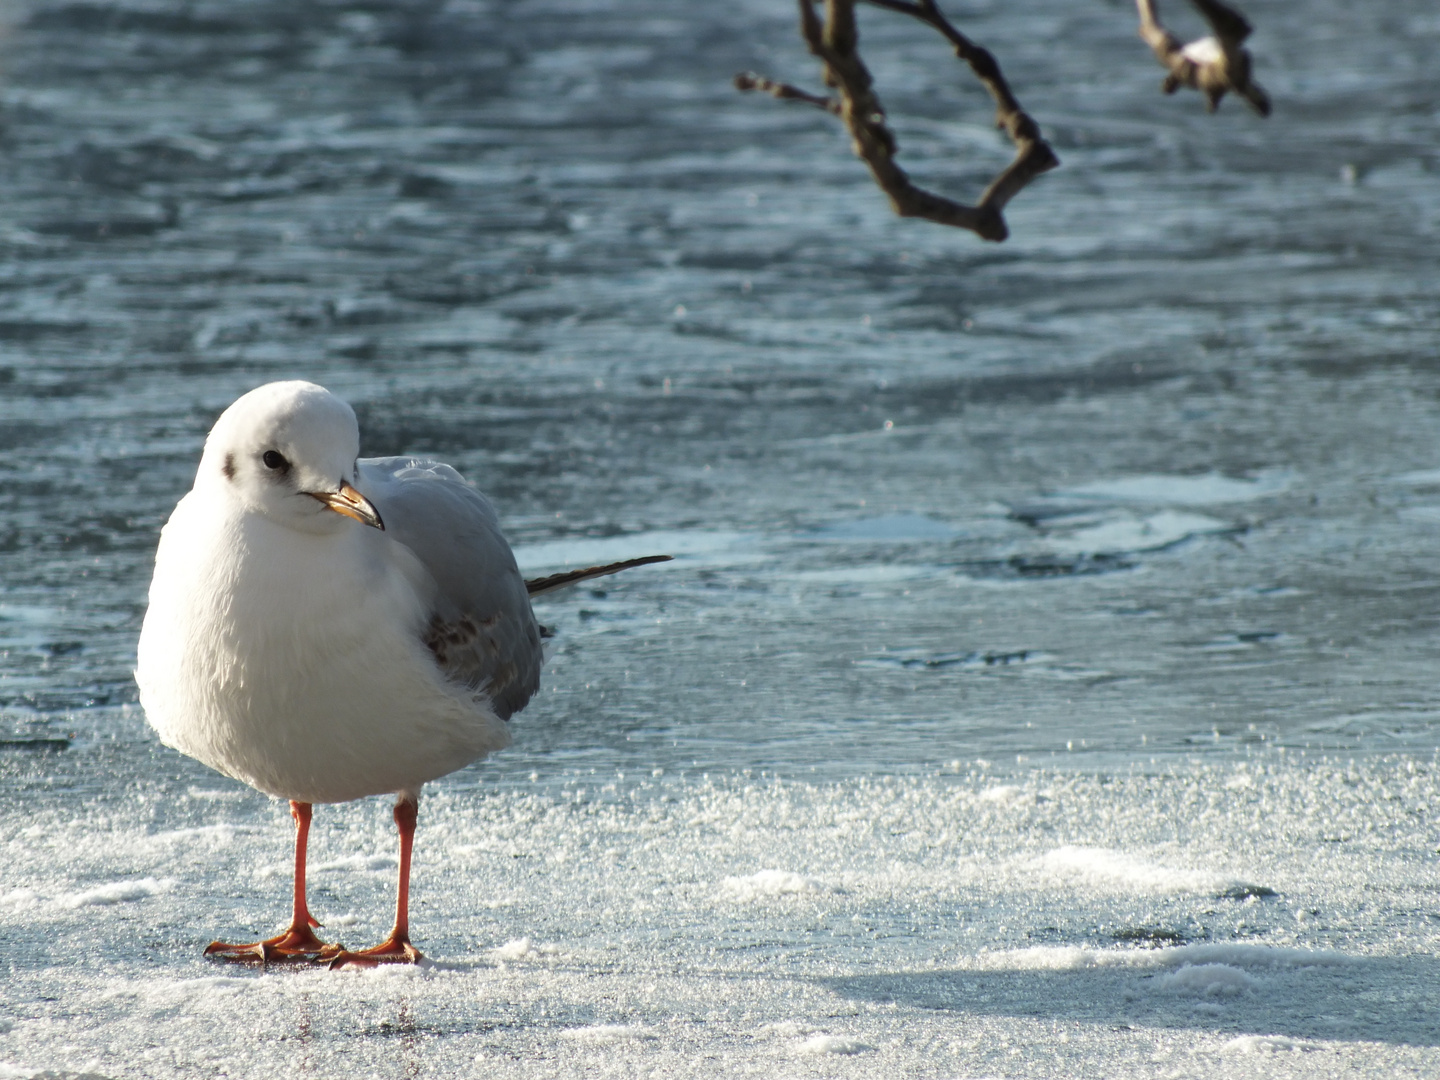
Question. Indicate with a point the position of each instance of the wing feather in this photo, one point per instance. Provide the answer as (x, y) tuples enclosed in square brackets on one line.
[(482, 631), (536, 586)]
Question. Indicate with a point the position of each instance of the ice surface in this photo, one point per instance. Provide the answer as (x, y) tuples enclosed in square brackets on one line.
[(590, 551), (1126, 533), (922, 924), (1100, 868), (832, 1044), (892, 528), (1206, 490), (1266, 1044), (767, 883), (116, 892), (1207, 980)]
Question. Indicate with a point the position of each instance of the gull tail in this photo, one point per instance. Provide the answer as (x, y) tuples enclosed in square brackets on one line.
[(536, 586)]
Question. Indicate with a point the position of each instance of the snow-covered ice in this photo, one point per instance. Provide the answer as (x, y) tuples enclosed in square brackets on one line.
[(927, 928)]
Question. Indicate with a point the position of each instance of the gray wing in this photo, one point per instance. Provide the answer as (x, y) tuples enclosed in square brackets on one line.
[(481, 631)]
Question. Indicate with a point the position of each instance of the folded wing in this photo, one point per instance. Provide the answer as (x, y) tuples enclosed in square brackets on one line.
[(481, 630)]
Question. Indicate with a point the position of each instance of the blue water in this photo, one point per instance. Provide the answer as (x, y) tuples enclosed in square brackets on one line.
[(1151, 490)]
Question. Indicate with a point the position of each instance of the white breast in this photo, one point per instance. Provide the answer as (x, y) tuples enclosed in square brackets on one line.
[(294, 662)]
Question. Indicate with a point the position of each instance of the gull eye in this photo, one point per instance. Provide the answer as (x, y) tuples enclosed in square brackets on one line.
[(274, 460)]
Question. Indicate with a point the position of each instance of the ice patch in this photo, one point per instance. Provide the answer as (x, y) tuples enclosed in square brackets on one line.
[(876, 573), (783, 1028), (605, 1034), (1124, 534), (1266, 1044), (1419, 478), (211, 795), (918, 659), (522, 949), (117, 892), (357, 862), (587, 551), (1004, 795), (1159, 489), (215, 834), (769, 883), (1206, 980), (892, 529), (190, 990), (1083, 957), (833, 1044), (19, 898), (1105, 868)]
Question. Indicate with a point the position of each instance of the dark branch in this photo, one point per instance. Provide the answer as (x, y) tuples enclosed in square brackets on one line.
[(748, 80), (835, 42), (1214, 65)]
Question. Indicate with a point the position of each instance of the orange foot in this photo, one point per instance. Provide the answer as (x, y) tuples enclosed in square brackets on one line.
[(395, 949), (296, 943)]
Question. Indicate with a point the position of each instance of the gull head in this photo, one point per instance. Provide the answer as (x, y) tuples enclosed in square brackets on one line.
[(288, 450)]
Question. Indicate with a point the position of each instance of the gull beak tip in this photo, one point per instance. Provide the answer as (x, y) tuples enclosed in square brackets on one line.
[(350, 503)]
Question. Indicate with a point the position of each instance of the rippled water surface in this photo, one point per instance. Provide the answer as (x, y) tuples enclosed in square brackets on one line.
[(1147, 494)]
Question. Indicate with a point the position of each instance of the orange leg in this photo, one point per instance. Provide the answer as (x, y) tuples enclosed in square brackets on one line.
[(395, 949), (297, 942)]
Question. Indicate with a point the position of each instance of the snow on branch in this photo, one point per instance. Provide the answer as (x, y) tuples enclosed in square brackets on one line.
[(1214, 65), (835, 40)]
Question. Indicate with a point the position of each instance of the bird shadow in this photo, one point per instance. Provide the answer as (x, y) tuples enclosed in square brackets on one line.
[(1245, 990)]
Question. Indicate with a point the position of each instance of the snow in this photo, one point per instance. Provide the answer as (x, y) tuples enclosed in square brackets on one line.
[(768, 883), (833, 1044), (606, 1033), (956, 922), (1208, 980), (1103, 868), (116, 892), (523, 949), (1266, 1044)]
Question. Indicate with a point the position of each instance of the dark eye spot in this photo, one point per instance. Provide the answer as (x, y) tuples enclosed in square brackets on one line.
[(274, 460), (229, 467)]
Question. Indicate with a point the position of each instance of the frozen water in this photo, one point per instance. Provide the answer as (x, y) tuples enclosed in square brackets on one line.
[(1182, 490), (928, 925), (1045, 685)]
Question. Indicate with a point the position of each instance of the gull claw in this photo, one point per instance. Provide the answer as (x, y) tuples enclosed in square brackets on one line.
[(294, 944), (393, 950)]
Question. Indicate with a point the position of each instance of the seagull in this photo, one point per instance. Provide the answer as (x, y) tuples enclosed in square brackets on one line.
[(325, 627)]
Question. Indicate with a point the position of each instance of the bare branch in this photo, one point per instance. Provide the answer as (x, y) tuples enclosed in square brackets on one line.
[(835, 42), (1213, 65), (748, 80)]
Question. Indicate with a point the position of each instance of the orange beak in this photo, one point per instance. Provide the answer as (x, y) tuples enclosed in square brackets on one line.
[(351, 503)]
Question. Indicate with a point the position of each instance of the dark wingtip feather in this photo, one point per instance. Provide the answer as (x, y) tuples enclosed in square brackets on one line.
[(536, 586)]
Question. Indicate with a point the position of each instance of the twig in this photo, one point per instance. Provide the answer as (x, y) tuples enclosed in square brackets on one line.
[(835, 42), (1213, 65), (748, 80)]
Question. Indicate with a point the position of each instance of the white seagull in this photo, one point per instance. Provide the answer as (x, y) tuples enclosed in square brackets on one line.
[(325, 627)]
